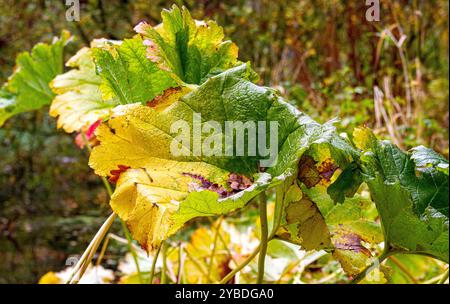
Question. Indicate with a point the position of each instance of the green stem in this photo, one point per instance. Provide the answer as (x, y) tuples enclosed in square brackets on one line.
[(375, 262), (152, 269), (164, 267), (225, 244), (104, 180), (180, 263), (131, 249), (444, 277), (213, 251), (276, 225), (107, 186), (86, 142), (238, 268), (197, 264), (279, 201), (264, 236), (112, 236)]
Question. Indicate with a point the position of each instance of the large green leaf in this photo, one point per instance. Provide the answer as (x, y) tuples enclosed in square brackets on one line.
[(157, 191), (27, 88), (426, 157), (347, 184), (344, 229), (412, 200), (128, 74), (191, 50), (410, 191)]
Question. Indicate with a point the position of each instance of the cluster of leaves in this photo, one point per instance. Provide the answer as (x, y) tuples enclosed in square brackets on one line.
[(410, 191), (208, 253), (137, 88)]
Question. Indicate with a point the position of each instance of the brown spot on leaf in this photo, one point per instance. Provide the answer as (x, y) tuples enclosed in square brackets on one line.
[(311, 173), (205, 184), (115, 174), (163, 97), (347, 240), (326, 169), (239, 182), (284, 234), (236, 182), (307, 171)]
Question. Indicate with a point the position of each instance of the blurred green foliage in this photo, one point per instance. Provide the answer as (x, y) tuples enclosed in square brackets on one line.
[(323, 55)]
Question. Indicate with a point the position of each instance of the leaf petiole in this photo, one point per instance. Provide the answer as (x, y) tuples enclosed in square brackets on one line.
[(276, 225), (264, 236), (152, 269), (375, 263), (213, 251)]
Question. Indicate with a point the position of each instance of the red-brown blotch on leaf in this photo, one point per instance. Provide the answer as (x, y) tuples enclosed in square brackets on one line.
[(115, 174)]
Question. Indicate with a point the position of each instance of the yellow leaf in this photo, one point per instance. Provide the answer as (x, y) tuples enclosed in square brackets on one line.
[(363, 138), (148, 194), (79, 102), (349, 251), (198, 267), (145, 207), (303, 222)]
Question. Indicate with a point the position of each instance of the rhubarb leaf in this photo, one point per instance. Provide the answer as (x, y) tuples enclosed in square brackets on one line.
[(28, 87), (79, 102), (190, 50), (127, 74), (412, 200), (157, 188)]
